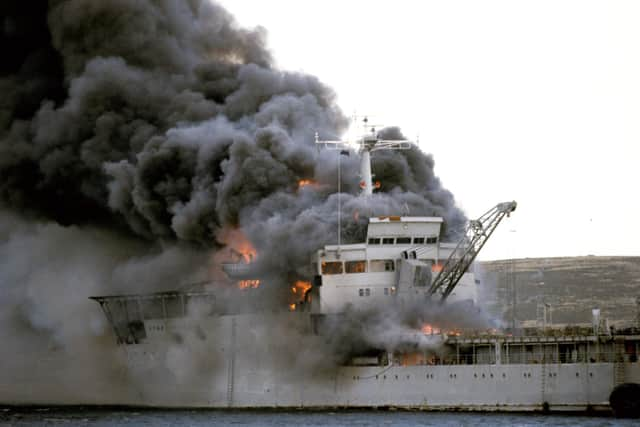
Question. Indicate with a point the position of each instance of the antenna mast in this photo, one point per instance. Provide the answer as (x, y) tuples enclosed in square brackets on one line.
[(367, 145)]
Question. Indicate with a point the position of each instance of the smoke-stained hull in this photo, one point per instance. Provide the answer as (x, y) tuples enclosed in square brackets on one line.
[(343, 344), (277, 361)]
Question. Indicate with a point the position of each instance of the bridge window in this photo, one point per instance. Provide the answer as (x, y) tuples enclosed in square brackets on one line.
[(403, 240), (387, 240), (367, 292), (333, 267), (355, 266), (374, 240), (431, 240), (381, 265), (418, 240)]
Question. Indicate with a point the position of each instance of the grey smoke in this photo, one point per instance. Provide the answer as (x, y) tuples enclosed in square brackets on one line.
[(396, 327), (167, 121), (132, 132)]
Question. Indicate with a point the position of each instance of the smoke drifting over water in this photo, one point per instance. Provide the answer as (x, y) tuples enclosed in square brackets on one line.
[(134, 132)]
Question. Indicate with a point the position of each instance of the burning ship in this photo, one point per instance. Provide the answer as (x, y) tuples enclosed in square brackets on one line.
[(249, 354), (125, 156)]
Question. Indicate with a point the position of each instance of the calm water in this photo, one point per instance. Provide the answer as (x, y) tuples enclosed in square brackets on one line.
[(80, 417)]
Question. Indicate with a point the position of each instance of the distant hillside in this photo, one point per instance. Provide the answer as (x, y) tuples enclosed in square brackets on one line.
[(572, 287)]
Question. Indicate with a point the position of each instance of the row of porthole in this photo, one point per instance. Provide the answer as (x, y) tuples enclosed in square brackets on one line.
[(430, 376), (490, 375)]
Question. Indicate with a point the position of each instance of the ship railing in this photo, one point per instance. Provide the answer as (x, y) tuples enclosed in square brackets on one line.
[(430, 359), (126, 313)]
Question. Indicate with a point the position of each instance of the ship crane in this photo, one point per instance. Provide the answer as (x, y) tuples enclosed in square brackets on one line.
[(476, 235)]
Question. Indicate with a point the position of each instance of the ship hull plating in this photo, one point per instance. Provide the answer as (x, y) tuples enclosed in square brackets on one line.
[(257, 361)]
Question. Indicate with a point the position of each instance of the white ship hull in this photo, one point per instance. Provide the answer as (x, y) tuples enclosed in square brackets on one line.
[(247, 368)]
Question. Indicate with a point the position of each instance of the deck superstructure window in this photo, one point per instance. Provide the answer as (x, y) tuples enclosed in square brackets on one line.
[(381, 265), (355, 266), (431, 240), (367, 292), (374, 240), (387, 240), (332, 267), (418, 240), (403, 240)]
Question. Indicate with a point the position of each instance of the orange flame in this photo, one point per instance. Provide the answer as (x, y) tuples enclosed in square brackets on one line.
[(300, 287), (298, 293), (428, 329), (436, 268), (237, 249), (247, 284), (239, 245), (305, 182)]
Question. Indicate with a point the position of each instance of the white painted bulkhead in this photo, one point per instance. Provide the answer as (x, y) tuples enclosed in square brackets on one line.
[(250, 367), (381, 270)]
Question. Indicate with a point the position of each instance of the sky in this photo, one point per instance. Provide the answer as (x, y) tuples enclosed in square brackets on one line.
[(533, 101)]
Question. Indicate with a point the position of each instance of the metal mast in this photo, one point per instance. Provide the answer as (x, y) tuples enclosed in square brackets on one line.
[(366, 145)]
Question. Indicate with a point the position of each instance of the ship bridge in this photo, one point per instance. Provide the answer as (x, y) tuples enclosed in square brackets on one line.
[(397, 262), (416, 230)]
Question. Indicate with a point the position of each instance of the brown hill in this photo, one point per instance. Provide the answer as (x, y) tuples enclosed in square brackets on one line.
[(571, 287)]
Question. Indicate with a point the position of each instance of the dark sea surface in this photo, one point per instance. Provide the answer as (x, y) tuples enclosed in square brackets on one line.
[(103, 417)]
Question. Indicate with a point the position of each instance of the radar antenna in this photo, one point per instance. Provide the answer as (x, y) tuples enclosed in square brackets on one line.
[(367, 144)]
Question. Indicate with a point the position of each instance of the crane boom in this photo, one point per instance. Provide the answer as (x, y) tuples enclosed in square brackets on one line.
[(476, 235)]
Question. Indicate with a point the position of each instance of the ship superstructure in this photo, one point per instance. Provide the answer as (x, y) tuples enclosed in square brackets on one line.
[(397, 262)]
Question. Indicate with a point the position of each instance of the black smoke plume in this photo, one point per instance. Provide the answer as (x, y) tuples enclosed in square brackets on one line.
[(134, 132), (167, 121)]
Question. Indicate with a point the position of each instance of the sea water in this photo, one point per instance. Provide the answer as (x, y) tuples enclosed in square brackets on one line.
[(161, 418)]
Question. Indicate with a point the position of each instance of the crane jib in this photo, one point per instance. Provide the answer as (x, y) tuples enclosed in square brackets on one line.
[(476, 235)]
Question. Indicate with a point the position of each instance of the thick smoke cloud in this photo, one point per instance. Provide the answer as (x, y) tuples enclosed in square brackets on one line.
[(166, 120), (134, 133)]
